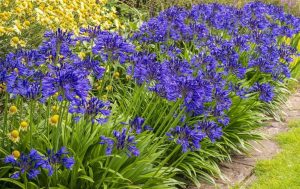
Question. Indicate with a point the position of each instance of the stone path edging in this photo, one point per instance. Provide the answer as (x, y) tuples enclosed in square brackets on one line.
[(240, 171)]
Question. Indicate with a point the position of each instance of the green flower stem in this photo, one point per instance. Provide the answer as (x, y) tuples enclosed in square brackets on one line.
[(59, 126), (5, 131), (164, 162), (31, 121), (170, 116), (107, 166), (21, 110), (48, 116), (176, 163)]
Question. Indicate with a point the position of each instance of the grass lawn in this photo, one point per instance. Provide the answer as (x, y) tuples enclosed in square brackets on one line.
[(283, 171)]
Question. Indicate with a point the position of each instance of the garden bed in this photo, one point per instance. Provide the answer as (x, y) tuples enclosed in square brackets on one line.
[(157, 107)]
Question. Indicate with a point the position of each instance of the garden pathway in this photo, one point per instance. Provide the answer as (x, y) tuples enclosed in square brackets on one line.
[(240, 172)]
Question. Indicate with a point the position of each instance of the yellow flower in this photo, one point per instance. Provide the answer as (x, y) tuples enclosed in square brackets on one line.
[(81, 55), (56, 94), (14, 136), (24, 126), (2, 31), (16, 70), (13, 110), (54, 108), (128, 77), (109, 88), (54, 120), (16, 154), (18, 10), (15, 40), (26, 23), (104, 97), (69, 15), (116, 75)]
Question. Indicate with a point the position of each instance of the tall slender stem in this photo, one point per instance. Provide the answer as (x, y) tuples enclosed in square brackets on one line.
[(31, 121), (5, 117)]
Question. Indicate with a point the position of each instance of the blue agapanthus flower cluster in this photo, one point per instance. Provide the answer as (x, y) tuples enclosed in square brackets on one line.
[(55, 68), (21, 73), (93, 107), (189, 138), (112, 47), (265, 90), (72, 83), (28, 164), (137, 125), (58, 45), (122, 141), (59, 158), (125, 140), (203, 54), (32, 163)]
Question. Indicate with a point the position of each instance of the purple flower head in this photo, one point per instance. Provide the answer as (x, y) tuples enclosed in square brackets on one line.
[(211, 129), (122, 141), (93, 107), (27, 164), (92, 66), (265, 90), (109, 142), (57, 44), (137, 125), (112, 47), (59, 158), (188, 138), (67, 81), (90, 33)]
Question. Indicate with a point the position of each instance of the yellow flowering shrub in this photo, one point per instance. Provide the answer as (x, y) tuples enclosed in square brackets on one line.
[(23, 22)]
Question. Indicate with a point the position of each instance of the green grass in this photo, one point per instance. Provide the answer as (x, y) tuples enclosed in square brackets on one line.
[(283, 171)]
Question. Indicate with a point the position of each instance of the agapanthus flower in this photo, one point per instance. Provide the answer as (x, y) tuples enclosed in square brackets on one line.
[(28, 164), (70, 82), (29, 90), (22, 73), (189, 138), (137, 125), (265, 90), (211, 129), (112, 47), (109, 142), (93, 66), (57, 43), (60, 158), (146, 68), (97, 109), (238, 90), (122, 141), (89, 33)]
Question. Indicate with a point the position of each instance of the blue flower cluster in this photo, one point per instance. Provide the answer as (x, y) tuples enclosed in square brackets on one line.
[(202, 55), (125, 140), (122, 141), (112, 47), (56, 68), (31, 164), (93, 107), (189, 137)]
